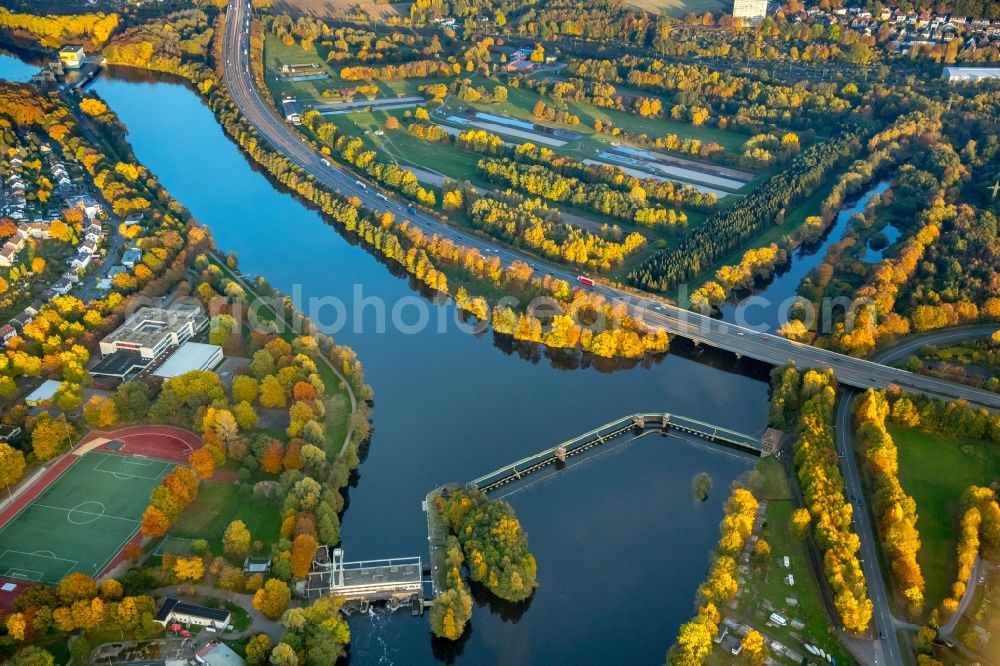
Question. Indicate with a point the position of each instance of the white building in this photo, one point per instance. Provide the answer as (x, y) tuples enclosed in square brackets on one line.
[(190, 356), (966, 74), (750, 9), (176, 611), (151, 331)]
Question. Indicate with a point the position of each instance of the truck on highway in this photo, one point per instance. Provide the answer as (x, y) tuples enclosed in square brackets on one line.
[(585, 280)]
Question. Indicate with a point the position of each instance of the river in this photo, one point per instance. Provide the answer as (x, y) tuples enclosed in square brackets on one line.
[(620, 542), (769, 305)]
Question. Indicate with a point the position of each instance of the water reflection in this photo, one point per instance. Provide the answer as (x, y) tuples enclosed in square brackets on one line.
[(621, 546), (764, 305)]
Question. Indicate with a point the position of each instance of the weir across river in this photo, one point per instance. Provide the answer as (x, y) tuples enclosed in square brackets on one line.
[(437, 531), (604, 433)]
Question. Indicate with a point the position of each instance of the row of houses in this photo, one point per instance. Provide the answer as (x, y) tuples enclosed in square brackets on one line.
[(904, 30), (86, 251)]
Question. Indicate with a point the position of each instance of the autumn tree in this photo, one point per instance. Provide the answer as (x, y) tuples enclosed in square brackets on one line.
[(100, 412), (11, 465), (303, 552), (272, 599), (76, 586), (202, 463), (155, 523), (50, 436), (258, 649), (189, 569), (236, 540)]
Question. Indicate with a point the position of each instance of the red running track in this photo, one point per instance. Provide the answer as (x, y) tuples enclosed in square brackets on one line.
[(163, 442)]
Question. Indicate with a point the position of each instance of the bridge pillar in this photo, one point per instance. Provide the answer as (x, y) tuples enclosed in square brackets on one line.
[(561, 454), (665, 421), (639, 421)]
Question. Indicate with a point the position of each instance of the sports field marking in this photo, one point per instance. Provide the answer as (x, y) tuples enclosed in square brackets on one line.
[(22, 557), (76, 509), (24, 574), (122, 461)]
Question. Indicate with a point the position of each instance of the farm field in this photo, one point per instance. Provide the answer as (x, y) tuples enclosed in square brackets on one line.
[(681, 8), (82, 520), (935, 470), (342, 8)]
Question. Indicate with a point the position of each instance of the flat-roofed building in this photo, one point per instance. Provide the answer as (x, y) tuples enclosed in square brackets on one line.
[(72, 56), (151, 331), (750, 9), (190, 356), (970, 74)]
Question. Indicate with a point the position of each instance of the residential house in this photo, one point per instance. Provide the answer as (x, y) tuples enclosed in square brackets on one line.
[(174, 610), (8, 255), (6, 333), (81, 261), (131, 257)]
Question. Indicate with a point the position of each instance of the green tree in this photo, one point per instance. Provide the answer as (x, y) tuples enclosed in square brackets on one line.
[(132, 401), (257, 650)]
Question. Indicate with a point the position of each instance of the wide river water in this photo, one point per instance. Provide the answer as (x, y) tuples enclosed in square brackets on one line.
[(621, 544)]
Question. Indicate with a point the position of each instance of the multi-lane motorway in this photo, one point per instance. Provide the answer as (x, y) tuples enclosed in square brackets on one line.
[(743, 341), (852, 372)]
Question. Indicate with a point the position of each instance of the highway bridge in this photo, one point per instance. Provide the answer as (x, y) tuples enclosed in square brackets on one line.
[(742, 341)]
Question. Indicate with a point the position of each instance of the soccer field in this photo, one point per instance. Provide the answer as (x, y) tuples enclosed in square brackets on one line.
[(81, 521)]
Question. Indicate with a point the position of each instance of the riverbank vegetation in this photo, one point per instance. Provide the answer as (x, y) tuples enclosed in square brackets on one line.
[(809, 398), (299, 377), (485, 538), (53, 31), (974, 363), (895, 511), (695, 639), (437, 262), (727, 229), (494, 544)]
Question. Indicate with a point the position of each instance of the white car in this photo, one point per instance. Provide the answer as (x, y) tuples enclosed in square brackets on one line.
[(325, 162)]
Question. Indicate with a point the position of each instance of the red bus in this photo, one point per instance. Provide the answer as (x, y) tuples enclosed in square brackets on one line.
[(585, 280)]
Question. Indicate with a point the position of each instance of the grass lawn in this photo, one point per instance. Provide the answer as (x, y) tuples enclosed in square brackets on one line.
[(220, 503), (935, 470), (520, 103), (771, 484)]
